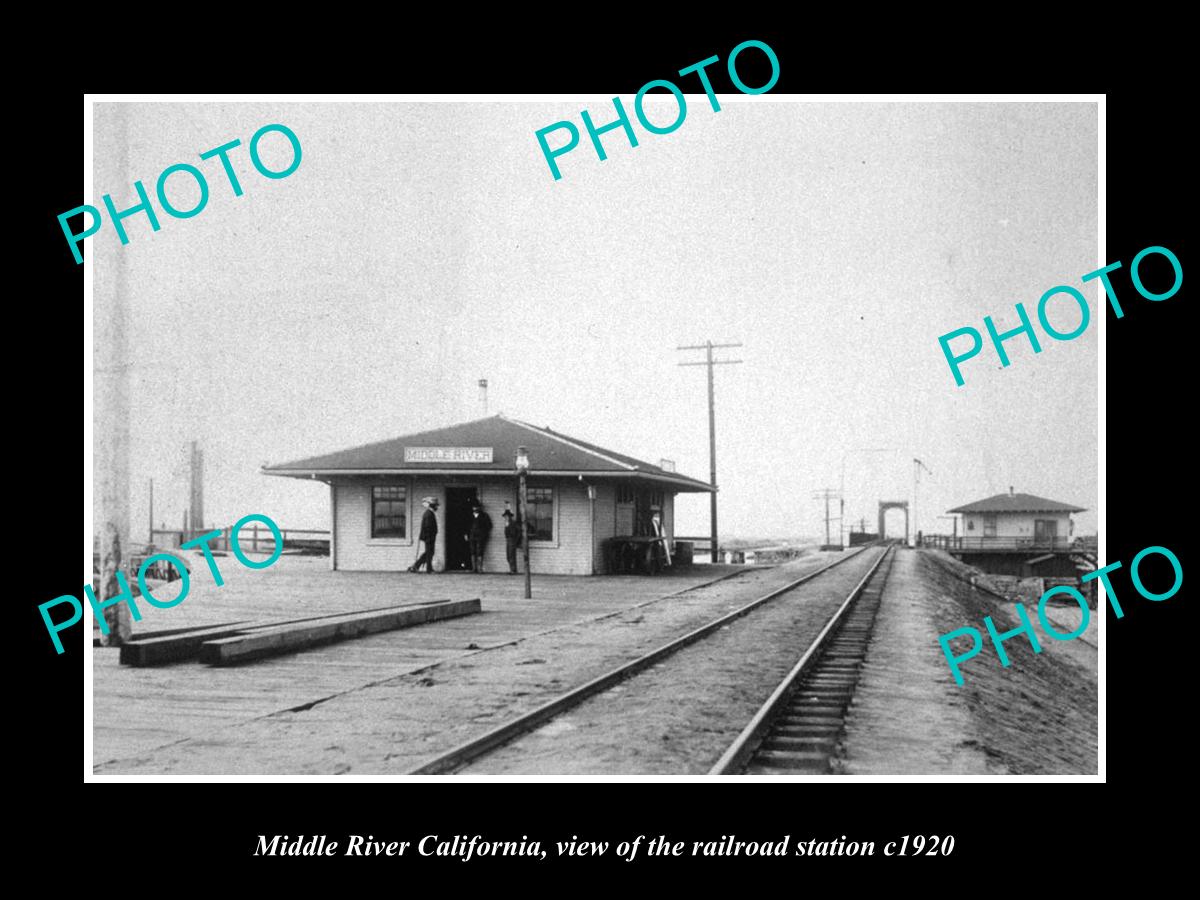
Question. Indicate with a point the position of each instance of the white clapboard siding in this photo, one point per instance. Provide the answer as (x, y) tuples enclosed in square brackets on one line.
[(568, 554), (606, 521), (356, 550)]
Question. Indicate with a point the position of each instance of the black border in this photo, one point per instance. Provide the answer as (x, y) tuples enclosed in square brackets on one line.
[(1147, 440)]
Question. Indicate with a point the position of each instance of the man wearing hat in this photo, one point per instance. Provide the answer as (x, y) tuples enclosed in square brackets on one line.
[(512, 538), (428, 535), (481, 529)]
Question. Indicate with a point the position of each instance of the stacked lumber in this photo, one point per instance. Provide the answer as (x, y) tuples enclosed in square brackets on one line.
[(289, 638), (238, 642)]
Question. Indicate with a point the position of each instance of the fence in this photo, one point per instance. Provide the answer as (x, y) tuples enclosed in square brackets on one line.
[(1000, 544), (254, 537)]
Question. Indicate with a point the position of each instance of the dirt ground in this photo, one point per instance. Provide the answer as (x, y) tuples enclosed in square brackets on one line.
[(386, 704), (678, 717), (1038, 716)]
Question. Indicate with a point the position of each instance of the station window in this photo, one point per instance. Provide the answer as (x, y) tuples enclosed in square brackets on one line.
[(625, 494), (540, 510), (389, 506), (989, 524)]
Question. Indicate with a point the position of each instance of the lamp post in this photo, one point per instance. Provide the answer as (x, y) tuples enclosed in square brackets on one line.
[(522, 463), (842, 514), (917, 467)]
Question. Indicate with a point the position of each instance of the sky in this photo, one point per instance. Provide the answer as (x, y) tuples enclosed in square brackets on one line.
[(420, 247)]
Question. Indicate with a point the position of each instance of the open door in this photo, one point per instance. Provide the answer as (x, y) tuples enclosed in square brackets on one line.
[(459, 503), (1045, 531)]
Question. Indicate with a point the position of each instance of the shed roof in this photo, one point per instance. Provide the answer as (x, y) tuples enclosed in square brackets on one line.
[(1016, 503), (550, 453)]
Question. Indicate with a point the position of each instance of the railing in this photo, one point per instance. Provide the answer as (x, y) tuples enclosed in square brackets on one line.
[(253, 537), (1002, 544)]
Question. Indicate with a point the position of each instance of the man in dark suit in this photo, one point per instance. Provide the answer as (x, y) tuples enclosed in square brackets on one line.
[(428, 535), (481, 529), (512, 538)]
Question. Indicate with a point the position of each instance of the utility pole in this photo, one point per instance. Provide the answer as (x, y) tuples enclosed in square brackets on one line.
[(709, 346), (827, 494), (111, 391), (917, 467), (197, 487)]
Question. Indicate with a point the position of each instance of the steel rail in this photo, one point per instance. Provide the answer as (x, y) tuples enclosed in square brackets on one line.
[(503, 734), (747, 743)]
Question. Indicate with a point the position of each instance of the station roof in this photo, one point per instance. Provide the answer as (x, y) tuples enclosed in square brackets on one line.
[(1016, 503), (484, 447)]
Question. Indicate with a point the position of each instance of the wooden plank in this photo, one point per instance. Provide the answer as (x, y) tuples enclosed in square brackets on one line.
[(156, 651), (170, 632), (292, 638), (174, 648), (164, 632)]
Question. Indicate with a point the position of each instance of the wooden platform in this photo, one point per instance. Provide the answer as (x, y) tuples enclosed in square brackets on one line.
[(138, 709)]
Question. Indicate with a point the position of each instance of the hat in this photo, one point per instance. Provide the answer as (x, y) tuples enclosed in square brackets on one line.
[(507, 512), (476, 506), (431, 501)]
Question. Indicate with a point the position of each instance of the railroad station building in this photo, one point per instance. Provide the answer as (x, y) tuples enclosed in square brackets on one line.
[(1018, 534), (579, 496)]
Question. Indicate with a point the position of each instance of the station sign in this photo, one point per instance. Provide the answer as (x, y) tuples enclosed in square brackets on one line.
[(448, 454)]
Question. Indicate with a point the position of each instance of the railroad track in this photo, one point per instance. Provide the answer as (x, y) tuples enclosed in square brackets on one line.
[(797, 730), (465, 753)]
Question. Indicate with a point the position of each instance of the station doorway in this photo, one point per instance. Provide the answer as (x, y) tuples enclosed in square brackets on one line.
[(459, 503)]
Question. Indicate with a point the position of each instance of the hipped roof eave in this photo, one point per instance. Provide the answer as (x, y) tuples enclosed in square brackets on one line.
[(686, 485)]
